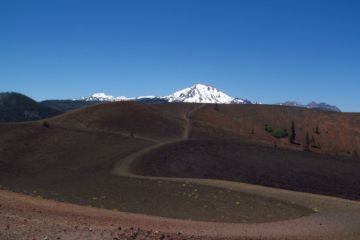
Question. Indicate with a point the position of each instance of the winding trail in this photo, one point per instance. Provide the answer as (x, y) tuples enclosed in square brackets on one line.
[(122, 168), (336, 219)]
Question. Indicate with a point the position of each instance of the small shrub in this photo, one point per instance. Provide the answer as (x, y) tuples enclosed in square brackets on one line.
[(278, 133), (316, 210), (46, 124), (268, 128), (307, 142)]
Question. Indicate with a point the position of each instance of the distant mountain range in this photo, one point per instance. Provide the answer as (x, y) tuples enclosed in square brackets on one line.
[(18, 107), (200, 93)]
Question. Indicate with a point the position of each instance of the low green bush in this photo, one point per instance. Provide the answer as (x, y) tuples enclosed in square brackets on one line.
[(278, 133)]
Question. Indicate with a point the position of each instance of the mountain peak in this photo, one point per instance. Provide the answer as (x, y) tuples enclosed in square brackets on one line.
[(200, 93)]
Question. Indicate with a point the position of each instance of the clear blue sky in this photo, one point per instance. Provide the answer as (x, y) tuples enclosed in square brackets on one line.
[(268, 51)]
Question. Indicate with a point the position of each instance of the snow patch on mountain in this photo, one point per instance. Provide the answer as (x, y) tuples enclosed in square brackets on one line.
[(200, 93), (102, 97)]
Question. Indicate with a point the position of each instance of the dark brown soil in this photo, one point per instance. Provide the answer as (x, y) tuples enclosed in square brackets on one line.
[(69, 157), (244, 162), (34, 149), (153, 197), (74, 166), (155, 121)]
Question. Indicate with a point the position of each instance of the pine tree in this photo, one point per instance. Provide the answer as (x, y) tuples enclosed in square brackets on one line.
[(293, 133), (46, 124), (307, 142)]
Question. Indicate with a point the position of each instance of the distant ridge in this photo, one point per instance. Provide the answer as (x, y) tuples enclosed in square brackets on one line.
[(312, 105), (16, 107)]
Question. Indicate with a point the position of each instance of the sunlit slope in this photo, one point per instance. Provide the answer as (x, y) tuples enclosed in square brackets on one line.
[(328, 132), (128, 118)]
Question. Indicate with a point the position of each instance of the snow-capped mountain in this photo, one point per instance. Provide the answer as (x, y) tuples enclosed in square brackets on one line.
[(201, 93), (198, 93)]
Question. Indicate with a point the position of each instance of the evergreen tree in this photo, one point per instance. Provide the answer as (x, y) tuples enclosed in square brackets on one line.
[(293, 133), (307, 142), (46, 124)]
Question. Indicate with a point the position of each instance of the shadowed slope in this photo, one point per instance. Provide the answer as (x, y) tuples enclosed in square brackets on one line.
[(249, 163)]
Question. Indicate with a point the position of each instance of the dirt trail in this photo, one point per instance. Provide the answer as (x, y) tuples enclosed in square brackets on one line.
[(188, 121), (335, 218), (122, 168)]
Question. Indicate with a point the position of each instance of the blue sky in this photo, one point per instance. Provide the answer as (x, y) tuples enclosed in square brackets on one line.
[(268, 51)]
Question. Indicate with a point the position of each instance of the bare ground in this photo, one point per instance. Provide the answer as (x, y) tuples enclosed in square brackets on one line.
[(26, 217)]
